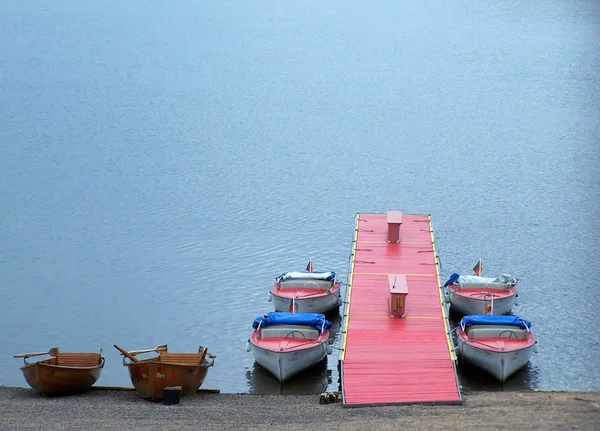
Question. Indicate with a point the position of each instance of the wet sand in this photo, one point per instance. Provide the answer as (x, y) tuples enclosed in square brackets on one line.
[(22, 409)]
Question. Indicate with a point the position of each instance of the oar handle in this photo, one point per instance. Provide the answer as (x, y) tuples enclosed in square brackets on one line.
[(139, 352), (162, 348), (28, 355), (126, 353), (52, 352)]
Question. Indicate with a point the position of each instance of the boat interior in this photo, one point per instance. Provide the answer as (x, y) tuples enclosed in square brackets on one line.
[(496, 331), (77, 360), (299, 282), (181, 358), (289, 331), (499, 286)]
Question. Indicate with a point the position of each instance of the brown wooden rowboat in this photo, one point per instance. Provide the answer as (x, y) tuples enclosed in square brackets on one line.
[(64, 373), (151, 376)]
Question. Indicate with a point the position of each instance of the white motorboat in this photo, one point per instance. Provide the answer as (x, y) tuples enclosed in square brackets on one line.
[(500, 345), (287, 343), (306, 292), (473, 294)]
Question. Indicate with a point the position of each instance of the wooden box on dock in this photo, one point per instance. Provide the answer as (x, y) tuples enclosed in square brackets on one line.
[(398, 292), (394, 221)]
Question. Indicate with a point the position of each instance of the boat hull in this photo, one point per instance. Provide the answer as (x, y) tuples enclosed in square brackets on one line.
[(54, 380), (474, 302), (308, 304), (285, 364), (500, 365), (151, 377)]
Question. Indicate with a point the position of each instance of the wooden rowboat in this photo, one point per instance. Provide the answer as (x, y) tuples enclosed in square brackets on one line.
[(151, 376), (64, 373)]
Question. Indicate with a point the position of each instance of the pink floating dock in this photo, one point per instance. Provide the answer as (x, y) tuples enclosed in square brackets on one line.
[(387, 358)]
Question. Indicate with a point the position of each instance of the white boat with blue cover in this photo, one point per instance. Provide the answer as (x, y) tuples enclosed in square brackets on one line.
[(472, 294), (287, 343), (306, 292), (500, 345)]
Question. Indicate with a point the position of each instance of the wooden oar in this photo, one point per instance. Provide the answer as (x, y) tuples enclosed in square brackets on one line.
[(126, 353), (52, 352), (204, 352), (161, 348)]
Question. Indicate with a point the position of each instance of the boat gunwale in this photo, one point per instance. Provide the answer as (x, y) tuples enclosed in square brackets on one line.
[(276, 289), (302, 344), (514, 344), (44, 363), (491, 292), (204, 364)]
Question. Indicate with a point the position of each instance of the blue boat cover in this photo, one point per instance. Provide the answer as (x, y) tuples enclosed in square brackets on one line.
[(453, 278), (492, 319), (328, 276), (276, 318)]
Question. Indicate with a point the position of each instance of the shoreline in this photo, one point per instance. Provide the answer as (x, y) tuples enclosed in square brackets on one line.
[(121, 408)]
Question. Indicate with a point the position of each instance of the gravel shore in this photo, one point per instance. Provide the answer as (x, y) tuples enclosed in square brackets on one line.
[(22, 409)]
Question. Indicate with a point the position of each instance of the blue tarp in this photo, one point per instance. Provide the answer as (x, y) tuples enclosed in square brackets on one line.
[(453, 278), (309, 319), (487, 319)]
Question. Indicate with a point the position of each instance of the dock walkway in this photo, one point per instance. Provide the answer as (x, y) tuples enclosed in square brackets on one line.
[(396, 360)]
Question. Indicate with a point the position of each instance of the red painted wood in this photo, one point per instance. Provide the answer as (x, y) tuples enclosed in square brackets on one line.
[(394, 220), (393, 360)]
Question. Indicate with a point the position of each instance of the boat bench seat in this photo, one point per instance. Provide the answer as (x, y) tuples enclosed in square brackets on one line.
[(289, 331), (503, 331), (318, 284), (78, 359), (181, 358)]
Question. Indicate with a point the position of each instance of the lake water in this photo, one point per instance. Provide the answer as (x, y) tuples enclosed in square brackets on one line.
[(162, 162)]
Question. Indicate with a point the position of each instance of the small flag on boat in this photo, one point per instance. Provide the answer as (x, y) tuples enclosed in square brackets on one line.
[(292, 306), (309, 266), (478, 268), (488, 308)]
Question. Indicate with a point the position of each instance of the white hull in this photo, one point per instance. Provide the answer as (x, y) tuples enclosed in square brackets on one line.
[(318, 304), (284, 365), (468, 305), (501, 365)]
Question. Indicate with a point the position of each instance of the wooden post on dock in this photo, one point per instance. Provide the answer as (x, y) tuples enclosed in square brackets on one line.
[(394, 220)]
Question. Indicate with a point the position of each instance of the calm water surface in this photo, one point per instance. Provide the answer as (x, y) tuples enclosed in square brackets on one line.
[(162, 162)]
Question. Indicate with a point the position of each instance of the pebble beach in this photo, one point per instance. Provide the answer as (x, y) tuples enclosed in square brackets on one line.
[(103, 409)]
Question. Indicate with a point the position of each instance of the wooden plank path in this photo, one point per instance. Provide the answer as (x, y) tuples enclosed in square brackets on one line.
[(396, 360)]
